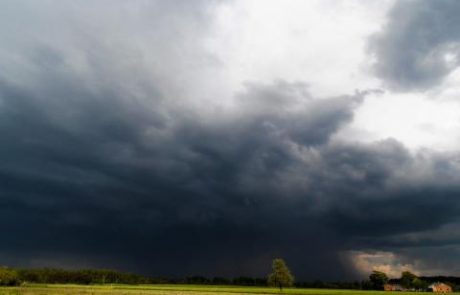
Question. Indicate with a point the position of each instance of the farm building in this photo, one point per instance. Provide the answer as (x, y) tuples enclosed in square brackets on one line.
[(440, 288), (393, 287)]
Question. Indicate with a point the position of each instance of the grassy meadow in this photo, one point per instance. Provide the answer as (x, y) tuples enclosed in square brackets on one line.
[(38, 289)]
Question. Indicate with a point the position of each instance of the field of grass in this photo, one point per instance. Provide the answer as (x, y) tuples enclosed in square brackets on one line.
[(176, 290)]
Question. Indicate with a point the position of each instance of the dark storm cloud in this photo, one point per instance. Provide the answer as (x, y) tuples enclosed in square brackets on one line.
[(104, 163), (419, 45), (93, 179)]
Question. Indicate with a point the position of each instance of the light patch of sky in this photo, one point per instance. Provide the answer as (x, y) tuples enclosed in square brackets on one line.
[(322, 43), (393, 263), (420, 120), (387, 262), (414, 119)]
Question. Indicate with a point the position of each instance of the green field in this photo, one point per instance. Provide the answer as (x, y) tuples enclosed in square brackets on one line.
[(176, 290)]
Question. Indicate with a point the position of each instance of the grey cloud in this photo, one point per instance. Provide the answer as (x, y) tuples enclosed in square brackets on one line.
[(86, 168), (411, 50), (255, 184), (90, 168), (107, 163)]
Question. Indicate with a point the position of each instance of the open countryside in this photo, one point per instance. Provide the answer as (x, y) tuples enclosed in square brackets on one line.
[(226, 147), (279, 281), (55, 289)]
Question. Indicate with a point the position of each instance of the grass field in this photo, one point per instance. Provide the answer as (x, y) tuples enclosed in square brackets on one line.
[(176, 290)]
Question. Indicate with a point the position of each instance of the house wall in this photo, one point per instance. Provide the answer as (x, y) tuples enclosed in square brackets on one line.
[(442, 288)]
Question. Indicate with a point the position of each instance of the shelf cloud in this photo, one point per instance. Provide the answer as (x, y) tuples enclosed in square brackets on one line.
[(123, 145)]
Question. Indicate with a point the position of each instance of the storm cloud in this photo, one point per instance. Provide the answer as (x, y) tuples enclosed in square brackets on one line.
[(115, 152), (419, 46)]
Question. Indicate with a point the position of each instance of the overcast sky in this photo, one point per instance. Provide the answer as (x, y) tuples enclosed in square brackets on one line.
[(208, 137)]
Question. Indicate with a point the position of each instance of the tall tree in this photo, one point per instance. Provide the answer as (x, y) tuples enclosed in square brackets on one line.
[(407, 279), (280, 276), (419, 284), (378, 279)]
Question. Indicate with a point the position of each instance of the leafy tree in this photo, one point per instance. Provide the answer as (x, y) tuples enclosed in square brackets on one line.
[(407, 279), (200, 280), (378, 279), (244, 281), (8, 277), (220, 281), (419, 284), (280, 276)]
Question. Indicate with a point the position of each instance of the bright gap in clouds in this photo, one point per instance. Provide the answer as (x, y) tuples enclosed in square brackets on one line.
[(414, 119), (322, 43), (386, 262)]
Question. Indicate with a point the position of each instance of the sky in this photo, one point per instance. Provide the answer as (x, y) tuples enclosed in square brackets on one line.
[(207, 137)]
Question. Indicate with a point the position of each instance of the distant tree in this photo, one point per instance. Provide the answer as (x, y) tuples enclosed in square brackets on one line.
[(318, 284), (220, 281), (8, 277), (200, 280), (280, 276), (366, 285), (407, 279), (419, 284), (244, 281), (261, 281), (378, 279)]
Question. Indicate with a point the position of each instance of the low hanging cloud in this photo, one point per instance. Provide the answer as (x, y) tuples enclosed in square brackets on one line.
[(111, 158), (95, 170), (107, 182), (419, 46)]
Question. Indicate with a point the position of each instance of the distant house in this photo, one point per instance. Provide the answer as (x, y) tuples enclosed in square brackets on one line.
[(439, 288), (393, 287)]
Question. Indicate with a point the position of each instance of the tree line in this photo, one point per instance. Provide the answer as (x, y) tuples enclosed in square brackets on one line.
[(11, 277), (14, 277), (280, 277)]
